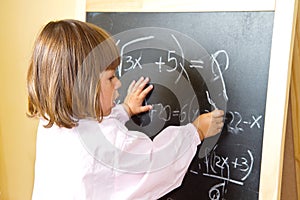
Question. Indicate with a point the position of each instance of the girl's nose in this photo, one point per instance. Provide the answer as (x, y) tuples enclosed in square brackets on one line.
[(118, 83)]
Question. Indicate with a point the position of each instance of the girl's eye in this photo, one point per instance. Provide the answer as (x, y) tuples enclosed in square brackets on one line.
[(112, 77)]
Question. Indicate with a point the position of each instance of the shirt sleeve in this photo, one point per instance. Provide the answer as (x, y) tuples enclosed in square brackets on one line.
[(152, 168), (172, 152), (118, 112)]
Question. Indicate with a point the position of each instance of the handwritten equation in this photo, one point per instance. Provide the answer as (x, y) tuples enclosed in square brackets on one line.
[(174, 58), (228, 169), (236, 124)]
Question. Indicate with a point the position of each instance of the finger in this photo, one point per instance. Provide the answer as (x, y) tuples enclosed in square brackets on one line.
[(220, 125), (130, 88), (137, 84), (142, 85), (218, 113), (217, 124), (145, 108), (146, 91), (218, 119)]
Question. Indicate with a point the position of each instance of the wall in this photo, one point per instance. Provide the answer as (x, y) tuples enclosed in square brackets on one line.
[(289, 186), (291, 165), (20, 22), (295, 99)]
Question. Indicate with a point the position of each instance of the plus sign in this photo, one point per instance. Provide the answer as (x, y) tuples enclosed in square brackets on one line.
[(159, 63)]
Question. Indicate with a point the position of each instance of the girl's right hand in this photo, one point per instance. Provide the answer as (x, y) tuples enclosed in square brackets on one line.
[(136, 94), (209, 124)]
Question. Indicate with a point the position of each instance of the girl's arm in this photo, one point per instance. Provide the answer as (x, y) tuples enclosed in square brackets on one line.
[(147, 169)]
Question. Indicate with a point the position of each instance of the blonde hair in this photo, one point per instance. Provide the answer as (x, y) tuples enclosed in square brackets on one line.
[(63, 78)]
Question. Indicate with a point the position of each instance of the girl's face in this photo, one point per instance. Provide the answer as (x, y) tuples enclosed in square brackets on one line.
[(108, 94)]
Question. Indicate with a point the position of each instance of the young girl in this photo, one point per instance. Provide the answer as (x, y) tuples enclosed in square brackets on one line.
[(83, 150)]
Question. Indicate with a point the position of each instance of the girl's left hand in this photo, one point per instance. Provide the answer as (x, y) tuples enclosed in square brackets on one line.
[(136, 94)]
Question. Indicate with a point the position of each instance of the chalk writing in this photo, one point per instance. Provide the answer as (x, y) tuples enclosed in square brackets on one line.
[(210, 101), (159, 63), (196, 64), (194, 172), (215, 70), (133, 64), (228, 169), (170, 59), (237, 122), (214, 193), (175, 60), (166, 112), (127, 44)]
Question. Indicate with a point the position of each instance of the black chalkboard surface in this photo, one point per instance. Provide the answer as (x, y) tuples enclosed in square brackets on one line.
[(198, 62)]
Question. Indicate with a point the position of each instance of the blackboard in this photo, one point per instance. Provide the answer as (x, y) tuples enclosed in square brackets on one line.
[(209, 60)]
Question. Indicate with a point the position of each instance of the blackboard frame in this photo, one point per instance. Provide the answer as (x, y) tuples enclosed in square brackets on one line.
[(279, 71)]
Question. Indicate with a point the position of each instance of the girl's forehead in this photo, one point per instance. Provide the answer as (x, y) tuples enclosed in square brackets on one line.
[(108, 72)]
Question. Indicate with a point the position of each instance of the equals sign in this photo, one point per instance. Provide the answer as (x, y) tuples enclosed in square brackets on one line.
[(197, 64), (176, 113)]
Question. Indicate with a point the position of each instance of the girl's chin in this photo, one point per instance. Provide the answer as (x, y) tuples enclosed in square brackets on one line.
[(106, 113)]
